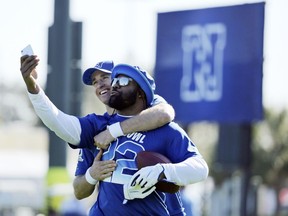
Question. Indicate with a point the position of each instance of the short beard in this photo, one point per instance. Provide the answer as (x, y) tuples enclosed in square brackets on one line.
[(120, 101)]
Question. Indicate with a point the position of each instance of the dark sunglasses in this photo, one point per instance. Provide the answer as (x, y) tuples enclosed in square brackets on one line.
[(122, 81)]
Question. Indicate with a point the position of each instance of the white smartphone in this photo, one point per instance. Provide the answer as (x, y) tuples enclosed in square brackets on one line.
[(27, 51)]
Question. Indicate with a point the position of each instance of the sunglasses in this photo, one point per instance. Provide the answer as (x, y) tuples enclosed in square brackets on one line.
[(122, 81)]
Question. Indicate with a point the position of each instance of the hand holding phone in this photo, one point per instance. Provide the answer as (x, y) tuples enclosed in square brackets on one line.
[(27, 51)]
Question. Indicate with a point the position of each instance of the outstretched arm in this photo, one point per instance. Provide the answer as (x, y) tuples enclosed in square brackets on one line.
[(65, 126), (149, 119)]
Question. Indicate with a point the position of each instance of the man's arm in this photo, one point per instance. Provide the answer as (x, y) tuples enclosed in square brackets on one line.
[(84, 185), (149, 119), (82, 188), (65, 126), (177, 173), (192, 170)]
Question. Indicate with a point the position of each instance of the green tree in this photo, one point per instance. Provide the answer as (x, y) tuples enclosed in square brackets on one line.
[(270, 150)]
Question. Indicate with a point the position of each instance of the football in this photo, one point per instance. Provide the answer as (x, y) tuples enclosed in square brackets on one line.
[(146, 158)]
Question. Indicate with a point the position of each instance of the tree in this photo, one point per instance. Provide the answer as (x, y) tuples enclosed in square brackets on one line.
[(270, 150)]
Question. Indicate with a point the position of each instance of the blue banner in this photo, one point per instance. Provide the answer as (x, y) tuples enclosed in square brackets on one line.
[(209, 63)]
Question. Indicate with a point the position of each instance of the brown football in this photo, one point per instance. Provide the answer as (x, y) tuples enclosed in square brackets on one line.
[(146, 158)]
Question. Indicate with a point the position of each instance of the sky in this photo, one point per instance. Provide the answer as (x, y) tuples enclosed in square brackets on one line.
[(125, 31)]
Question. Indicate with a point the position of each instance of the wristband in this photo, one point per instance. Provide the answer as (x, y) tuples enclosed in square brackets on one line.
[(115, 130), (89, 178)]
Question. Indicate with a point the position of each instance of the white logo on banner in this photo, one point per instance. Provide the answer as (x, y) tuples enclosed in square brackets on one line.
[(202, 62)]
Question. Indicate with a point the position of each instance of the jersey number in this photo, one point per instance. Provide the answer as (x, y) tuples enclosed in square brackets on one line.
[(124, 154)]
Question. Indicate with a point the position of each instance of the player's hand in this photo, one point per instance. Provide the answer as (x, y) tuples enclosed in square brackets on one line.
[(102, 169), (148, 176), (103, 139), (136, 192), (29, 73)]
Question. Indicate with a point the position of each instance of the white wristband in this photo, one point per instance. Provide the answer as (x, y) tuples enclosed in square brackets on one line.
[(115, 130), (89, 178)]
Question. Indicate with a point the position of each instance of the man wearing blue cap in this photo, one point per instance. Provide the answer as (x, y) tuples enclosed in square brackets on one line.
[(131, 93), (99, 76), (90, 169)]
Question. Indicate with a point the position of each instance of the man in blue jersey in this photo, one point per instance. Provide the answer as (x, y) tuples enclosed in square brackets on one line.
[(134, 91), (99, 77), (131, 88), (97, 170)]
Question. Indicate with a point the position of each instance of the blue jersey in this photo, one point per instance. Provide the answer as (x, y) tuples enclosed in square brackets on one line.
[(176, 146), (173, 201)]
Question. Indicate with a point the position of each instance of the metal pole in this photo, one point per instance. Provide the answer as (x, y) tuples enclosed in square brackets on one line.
[(58, 79)]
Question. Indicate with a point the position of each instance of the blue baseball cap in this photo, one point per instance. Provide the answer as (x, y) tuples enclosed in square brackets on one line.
[(144, 79), (104, 66)]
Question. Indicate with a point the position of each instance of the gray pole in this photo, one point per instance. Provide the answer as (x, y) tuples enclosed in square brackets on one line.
[(234, 153), (58, 79), (64, 58)]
